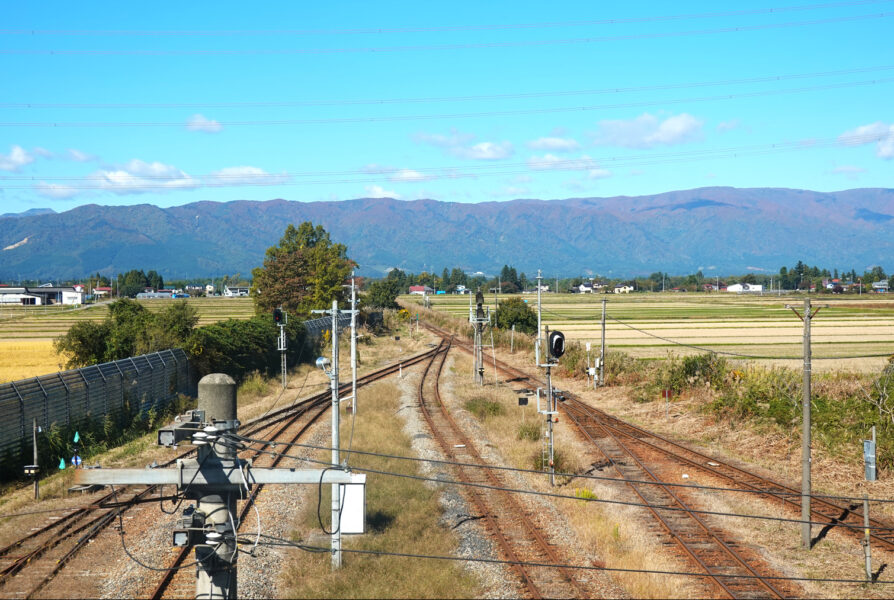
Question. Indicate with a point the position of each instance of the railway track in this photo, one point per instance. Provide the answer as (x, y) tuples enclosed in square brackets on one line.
[(735, 573), (823, 510), (29, 564), (509, 521)]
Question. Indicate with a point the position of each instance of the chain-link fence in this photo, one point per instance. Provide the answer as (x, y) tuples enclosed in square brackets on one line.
[(316, 327), (151, 380)]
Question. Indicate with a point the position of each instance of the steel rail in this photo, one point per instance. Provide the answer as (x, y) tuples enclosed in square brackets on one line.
[(788, 495), (722, 582), (531, 531), (68, 523)]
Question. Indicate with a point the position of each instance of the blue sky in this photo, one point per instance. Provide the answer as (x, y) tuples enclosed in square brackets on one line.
[(170, 103)]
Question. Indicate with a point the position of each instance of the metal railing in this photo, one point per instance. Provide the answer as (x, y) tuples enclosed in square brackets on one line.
[(89, 393)]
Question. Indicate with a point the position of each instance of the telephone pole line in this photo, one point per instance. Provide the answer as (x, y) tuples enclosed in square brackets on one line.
[(806, 317), (602, 352)]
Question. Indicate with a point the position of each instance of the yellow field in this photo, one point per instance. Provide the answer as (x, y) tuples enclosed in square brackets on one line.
[(24, 359)]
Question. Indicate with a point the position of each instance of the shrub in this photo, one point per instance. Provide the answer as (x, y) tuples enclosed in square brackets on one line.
[(528, 431), (483, 408)]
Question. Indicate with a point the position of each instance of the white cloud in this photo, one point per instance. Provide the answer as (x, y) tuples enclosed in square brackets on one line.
[(201, 123), (880, 133), (599, 174), (647, 131), (457, 144), (245, 175), (78, 156), (850, 171), (377, 191), (485, 151), (18, 157), (408, 175), (43, 152), (55, 190), (138, 177), (729, 125), (554, 144)]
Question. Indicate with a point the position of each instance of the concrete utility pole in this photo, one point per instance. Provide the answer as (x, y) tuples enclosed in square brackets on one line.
[(602, 352), (808, 315), (214, 480), (353, 346), (336, 441), (539, 309), (479, 319)]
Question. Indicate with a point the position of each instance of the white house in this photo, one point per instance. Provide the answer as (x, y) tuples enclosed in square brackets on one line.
[(745, 288), (623, 289), (234, 292)]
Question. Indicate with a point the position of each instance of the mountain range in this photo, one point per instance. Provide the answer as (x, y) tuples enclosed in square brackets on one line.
[(718, 230)]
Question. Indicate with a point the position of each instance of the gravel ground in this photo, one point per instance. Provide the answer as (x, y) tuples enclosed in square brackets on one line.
[(496, 580)]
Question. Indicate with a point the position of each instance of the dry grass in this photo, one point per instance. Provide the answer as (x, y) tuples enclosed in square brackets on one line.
[(402, 516), (26, 359)]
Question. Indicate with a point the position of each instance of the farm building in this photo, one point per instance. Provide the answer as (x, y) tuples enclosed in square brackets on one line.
[(623, 288), (745, 288), (420, 290), (234, 292), (41, 296)]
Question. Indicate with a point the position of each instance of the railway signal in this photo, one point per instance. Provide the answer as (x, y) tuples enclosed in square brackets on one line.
[(555, 348), (214, 480), (281, 319)]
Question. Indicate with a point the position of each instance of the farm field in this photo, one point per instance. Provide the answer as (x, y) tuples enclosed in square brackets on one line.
[(852, 332), (27, 333)]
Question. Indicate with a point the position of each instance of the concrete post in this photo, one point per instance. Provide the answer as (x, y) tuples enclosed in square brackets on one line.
[(805, 435), (336, 488), (602, 352), (216, 560)]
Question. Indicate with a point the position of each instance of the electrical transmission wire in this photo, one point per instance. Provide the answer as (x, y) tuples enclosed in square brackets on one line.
[(436, 47), (187, 182), (433, 29), (276, 541), (450, 99), (432, 461), (569, 497), (468, 115), (722, 352)]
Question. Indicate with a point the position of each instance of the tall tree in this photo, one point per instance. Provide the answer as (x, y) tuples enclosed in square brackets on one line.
[(305, 271)]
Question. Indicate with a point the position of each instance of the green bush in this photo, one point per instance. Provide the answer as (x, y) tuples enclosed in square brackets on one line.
[(483, 408)]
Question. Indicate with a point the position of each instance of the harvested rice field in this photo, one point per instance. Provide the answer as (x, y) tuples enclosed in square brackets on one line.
[(27, 333), (850, 333)]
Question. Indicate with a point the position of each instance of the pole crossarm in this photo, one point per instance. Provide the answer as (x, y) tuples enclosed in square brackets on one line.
[(191, 476)]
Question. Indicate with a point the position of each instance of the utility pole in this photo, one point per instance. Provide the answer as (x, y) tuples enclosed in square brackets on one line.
[(602, 352), (478, 319), (353, 346), (807, 317), (539, 309), (215, 479)]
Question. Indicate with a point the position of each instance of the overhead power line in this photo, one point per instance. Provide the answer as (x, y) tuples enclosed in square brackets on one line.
[(431, 29), (184, 181), (431, 47), (434, 99), (467, 115), (277, 541)]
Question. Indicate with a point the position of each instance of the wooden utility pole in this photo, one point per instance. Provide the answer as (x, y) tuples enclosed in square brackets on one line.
[(807, 317)]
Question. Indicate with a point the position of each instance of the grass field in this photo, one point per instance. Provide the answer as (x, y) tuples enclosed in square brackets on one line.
[(651, 325), (27, 332)]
